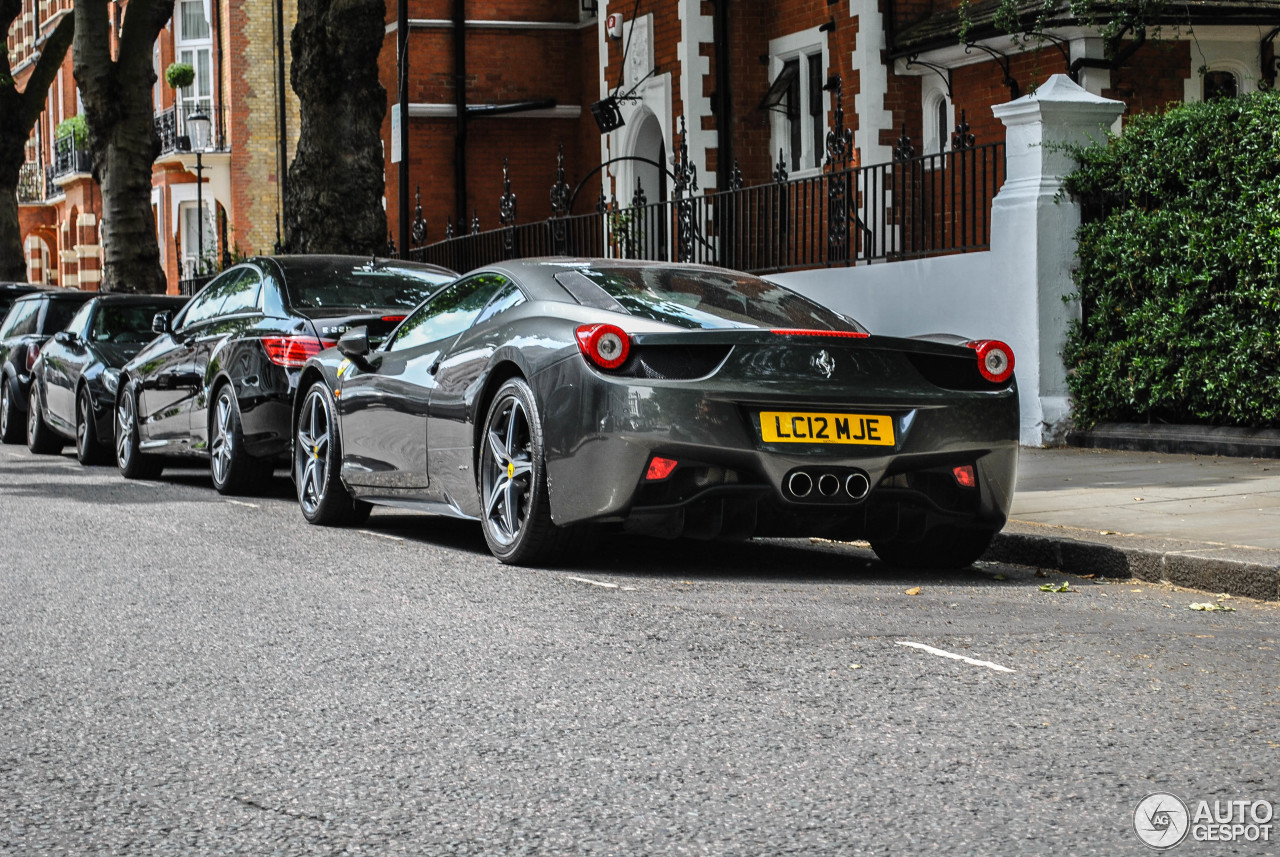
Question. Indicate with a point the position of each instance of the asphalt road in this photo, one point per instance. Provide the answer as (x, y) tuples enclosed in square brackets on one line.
[(186, 674)]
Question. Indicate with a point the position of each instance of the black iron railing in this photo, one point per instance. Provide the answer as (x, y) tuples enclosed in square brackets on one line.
[(918, 206), (167, 129), (190, 285), (70, 156), (31, 186)]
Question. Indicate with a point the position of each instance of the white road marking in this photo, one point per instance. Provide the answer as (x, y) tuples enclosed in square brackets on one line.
[(242, 503), (945, 654), (381, 535), (592, 582)]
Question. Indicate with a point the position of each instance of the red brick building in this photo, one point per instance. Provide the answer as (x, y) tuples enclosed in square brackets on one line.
[(237, 75)]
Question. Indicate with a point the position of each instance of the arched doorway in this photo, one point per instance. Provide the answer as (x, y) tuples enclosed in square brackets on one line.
[(647, 227)]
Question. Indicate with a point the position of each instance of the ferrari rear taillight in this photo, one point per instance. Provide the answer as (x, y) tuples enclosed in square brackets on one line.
[(842, 334), (605, 345), (995, 359), (293, 351), (33, 353)]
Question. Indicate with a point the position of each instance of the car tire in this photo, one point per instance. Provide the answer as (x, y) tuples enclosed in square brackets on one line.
[(89, 449), (130, 459), (40, 438), (234, 471), (317, 461), (515, 511), (10, 419), (941, 548)]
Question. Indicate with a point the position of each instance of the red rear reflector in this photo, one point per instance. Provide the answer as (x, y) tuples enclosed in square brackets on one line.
[(965, 477), (846, 334), (605, 345), (396, 319), (33, 353), (293, 351), (660, 468), (995, 359)]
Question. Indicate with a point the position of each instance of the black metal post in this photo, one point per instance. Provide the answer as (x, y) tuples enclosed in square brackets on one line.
[(460, 104), (199, 215)]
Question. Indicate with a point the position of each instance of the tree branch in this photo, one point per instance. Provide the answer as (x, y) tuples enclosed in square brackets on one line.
[(142, 25), (51, 56), (92, 47)]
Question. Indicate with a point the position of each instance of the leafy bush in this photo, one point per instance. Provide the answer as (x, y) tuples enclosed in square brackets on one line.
[(1179, 269), (73, 126), (179, 74)]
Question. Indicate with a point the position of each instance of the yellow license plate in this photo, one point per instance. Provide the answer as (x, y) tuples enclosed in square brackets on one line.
[(793, 427)]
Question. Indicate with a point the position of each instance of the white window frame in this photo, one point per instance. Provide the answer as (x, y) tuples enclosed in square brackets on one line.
[(799, 46), (190, 50)]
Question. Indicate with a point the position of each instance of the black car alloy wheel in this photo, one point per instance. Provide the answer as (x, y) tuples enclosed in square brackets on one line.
[(88, 448), (316, 456), (514, 509), (40, 438), (8, 418), (132, 462), (234, 471)]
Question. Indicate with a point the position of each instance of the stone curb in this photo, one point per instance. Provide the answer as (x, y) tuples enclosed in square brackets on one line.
[(1181, 568), (1177, 439)]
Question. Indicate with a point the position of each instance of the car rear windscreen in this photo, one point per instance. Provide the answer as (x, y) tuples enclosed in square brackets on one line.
[(125, 322), (699, 299), (366, 286)]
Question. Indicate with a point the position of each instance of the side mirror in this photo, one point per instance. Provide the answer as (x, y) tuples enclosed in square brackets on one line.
[(162, 322), (65, 337), (354, 344)]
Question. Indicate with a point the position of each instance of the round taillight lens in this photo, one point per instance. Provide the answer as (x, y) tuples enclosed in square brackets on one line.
[(995, 359), (33, 354), (605, 345)]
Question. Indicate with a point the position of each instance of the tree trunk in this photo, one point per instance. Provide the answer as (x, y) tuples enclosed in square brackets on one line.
[(336, 184), (13, 264), (21, 111), (122, 137)]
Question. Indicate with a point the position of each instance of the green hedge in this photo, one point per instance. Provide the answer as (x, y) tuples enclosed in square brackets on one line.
[(1179, 269)]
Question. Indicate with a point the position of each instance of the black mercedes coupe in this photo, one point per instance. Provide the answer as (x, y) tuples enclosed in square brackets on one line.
[(74, 382), (548, 397), (218, 380), (30, 322)]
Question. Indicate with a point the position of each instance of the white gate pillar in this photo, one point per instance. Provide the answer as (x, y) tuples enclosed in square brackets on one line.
[(1033, 240)]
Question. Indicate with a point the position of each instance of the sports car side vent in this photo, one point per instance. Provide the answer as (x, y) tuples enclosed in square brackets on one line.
[(953, 373)]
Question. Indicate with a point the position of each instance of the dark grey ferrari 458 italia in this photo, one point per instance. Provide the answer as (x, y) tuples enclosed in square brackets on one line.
[(549, 397)]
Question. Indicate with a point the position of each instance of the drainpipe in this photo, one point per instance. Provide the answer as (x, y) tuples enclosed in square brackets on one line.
[(219, 119), (282, 144), (1117, 60), (460, 103), (402, 89), (724, 96)]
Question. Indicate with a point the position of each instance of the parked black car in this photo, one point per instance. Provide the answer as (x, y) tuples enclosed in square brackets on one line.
[(75, 380), (218, 380), (31, 321)]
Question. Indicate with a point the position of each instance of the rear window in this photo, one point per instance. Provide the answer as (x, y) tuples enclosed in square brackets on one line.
[(699, 299), (59, 313), (125, 322), (365, 286)]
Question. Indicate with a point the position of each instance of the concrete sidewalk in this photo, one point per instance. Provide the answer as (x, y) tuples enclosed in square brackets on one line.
[(1206, 522)]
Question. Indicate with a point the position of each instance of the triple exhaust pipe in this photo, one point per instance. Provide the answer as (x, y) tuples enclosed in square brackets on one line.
[(836, 487)]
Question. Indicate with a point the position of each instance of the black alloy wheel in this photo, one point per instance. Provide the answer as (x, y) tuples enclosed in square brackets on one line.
[(317, 457), (514, 510), (133, 463), (941, 548), (234, 471), (40, 438), (89, 450), (9, 424)]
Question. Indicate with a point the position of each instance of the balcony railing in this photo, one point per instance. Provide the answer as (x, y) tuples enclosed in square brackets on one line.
[(70, 156), (920, 206), (31, 182), (171, 125)]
